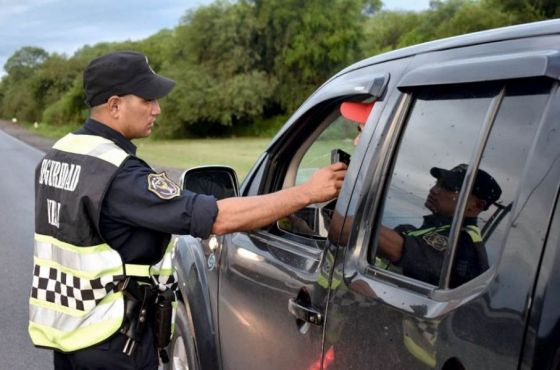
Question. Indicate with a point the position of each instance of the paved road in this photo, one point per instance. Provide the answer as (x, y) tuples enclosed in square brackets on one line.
[(16, 255)]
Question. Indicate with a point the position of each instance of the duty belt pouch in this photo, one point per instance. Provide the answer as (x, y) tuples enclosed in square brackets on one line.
[(162, 318)]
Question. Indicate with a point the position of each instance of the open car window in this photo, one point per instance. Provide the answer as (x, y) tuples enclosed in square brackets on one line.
[(335, 131)]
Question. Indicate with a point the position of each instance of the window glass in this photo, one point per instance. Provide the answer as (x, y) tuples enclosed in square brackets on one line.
[(440, 134), (506, 152)]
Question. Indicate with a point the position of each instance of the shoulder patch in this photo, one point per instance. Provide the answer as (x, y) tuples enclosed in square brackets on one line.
[(436, 241), (162, 186)]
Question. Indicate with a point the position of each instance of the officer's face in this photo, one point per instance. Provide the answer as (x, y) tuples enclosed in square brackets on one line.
[(138, 116), (360, 129), (441, 200)]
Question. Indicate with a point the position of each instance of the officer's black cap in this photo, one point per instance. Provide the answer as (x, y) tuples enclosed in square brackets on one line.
[(122, 73), (485, 187)]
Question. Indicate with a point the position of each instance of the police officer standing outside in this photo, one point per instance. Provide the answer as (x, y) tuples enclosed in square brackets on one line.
[(104, 221)]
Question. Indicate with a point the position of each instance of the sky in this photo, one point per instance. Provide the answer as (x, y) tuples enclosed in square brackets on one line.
[(63, 26)]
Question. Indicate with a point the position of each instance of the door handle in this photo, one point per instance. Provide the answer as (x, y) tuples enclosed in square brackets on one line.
[(304, 312)]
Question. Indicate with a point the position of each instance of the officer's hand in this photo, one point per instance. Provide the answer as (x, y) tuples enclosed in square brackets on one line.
[(325, 184)]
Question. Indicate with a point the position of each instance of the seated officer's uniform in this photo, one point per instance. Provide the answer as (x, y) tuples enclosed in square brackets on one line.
[(424, 248)]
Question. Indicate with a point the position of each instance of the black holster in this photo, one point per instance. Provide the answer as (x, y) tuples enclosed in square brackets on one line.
[(138, 301)]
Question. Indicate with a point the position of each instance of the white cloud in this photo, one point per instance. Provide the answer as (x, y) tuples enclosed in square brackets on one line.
[(11, 9)]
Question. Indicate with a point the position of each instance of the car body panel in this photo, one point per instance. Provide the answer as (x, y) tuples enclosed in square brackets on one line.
[(504, 318)]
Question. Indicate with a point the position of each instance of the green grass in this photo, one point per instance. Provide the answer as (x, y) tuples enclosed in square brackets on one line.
[(239, 153)]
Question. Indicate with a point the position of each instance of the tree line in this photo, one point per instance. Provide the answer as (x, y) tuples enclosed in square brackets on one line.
[(241, 67)]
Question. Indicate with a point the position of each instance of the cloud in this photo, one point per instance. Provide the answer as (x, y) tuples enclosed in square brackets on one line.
[(11, 9)]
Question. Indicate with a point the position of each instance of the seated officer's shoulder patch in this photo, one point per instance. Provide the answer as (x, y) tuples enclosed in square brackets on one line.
[(436, 241), (162, 186)]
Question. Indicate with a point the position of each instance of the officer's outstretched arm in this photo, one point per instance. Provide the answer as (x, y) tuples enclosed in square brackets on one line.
[(242, 214), (390, 244)]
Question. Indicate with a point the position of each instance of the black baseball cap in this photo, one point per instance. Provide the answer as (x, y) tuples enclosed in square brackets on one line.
[(485, 187), (122, 73)]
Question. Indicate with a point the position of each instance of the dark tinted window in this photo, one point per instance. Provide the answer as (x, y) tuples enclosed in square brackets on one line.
[(506, 152), (440, 137)]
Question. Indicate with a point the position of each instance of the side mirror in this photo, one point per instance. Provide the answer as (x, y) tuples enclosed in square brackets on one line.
[(219, 181)]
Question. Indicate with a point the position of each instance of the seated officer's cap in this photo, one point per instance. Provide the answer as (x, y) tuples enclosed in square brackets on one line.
[(485, 187), (122, 73), (356, 111)]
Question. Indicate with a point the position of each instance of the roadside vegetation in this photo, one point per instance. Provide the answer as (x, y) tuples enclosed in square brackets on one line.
[(242, 67)]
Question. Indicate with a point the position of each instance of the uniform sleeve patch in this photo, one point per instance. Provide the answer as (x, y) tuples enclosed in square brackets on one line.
[(162, 186), (436, 241)]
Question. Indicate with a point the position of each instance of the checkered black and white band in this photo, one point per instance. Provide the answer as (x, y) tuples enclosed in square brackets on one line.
[(52, 285)]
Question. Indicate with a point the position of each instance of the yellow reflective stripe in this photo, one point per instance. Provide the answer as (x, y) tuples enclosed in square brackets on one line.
[(90, 145), (79, 338), (165, 265), (420, 353), (474, 233), (137, 270), (81, 250), (381, 263), (79, 273), (419, 232), (167, 272), (53, 326)]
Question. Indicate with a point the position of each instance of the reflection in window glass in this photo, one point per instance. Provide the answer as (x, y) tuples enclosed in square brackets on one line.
[(440, 135), (435, 150), (506, 152)]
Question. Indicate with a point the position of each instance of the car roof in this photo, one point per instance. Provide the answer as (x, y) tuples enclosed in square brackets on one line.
[(498, 34)]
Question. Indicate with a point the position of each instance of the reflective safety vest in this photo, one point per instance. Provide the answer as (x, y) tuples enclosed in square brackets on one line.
[(74, 300), (472, 230)]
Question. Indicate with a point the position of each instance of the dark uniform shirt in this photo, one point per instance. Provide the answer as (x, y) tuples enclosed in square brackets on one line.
[(423, 253), (134, 220)]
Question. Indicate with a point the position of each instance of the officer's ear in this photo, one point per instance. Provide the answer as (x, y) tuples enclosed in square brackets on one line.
[(113, 105), (475, 205)]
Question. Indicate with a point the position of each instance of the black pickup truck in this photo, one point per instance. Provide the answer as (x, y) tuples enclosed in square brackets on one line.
[(475, 287)]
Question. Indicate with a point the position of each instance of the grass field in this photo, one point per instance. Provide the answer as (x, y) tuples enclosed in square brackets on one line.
[(239, 153)]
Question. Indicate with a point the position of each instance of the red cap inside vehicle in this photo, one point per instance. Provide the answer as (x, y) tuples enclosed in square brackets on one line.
[(355, 111)]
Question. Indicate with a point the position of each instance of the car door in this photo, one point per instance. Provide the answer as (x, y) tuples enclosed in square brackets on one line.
[(273, 283), (492, 112)]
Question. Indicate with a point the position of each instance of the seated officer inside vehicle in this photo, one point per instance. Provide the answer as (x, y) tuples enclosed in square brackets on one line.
[(420, 252)]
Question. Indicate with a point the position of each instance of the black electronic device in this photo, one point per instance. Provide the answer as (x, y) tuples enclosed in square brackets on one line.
[(339, 155)]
